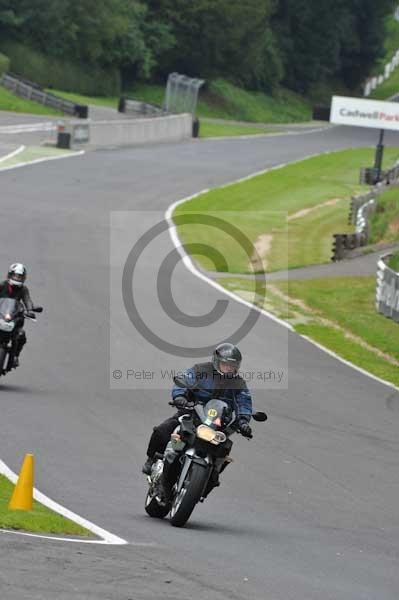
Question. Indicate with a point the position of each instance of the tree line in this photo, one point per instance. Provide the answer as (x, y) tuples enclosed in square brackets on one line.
[(258, 44)]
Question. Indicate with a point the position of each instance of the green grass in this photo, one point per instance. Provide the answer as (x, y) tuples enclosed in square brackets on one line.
[(391, 45), (384, 223), (110, 101), (32, 153), (227, 101), (144, 93), (350, 303), (13, 103), (222, 100), (260, 206), (329, 308), (208, 129), (388, 88), (38, 520), (394, 262)]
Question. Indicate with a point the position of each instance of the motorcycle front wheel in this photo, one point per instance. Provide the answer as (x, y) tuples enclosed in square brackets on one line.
[(154, 509), (190, 493), (3, 353)]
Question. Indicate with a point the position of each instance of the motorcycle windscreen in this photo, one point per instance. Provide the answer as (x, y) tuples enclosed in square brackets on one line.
[(217, 413), (9, 307)]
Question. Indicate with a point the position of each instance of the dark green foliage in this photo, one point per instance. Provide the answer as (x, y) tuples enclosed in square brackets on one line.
[(259, 44), (221, 37), (96, 33), (4, 64), (321, 39), (59, 73)]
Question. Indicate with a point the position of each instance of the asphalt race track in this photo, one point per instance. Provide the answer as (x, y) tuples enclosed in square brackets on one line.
[(309, 509)]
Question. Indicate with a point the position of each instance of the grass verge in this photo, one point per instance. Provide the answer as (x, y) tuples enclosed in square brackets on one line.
[(39, 520), (222, 100), (108, 101), (388, 88), (338, 313), (394, 262), (314, 193), (384, 223), (32, 153), (391, 86), (13, 103), (208, 130)]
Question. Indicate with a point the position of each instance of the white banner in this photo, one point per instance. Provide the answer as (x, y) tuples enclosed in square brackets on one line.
[(357, 112)]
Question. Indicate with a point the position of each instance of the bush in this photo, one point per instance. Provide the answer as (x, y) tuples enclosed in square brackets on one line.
[(61, 74), (4, 64)]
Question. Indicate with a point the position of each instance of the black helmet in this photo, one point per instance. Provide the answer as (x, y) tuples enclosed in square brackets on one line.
[(228, 354)]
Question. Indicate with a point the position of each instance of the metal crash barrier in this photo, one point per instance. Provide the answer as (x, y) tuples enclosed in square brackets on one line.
[(31, 91), (387, 296)]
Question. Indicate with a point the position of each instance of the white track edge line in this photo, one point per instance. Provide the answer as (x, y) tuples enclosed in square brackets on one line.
[(191, 267), (107, 537), (12, 154), (41, 160)]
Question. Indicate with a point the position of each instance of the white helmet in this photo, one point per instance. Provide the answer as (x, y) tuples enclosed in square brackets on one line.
[(17, 274)]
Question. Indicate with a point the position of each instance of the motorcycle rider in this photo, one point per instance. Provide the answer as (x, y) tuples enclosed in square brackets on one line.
[(14, 287), (218, 378)]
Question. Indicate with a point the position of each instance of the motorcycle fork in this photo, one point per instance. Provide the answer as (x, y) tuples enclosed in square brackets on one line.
[(188, 459)]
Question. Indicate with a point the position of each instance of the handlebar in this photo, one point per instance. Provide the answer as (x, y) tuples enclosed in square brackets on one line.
[(29, 314)]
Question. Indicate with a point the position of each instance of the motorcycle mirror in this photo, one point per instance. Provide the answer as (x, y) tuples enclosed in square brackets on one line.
[(38, 309), (259, 416)]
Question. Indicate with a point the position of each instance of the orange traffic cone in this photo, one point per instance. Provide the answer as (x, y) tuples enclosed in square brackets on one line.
[(22, 498)]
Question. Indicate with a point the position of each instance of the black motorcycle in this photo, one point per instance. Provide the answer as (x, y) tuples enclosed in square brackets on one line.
[(197, 452), (12, 315)]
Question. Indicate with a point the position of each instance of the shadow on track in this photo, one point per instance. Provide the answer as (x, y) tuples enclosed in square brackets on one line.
[(19, 389), (208, 527)]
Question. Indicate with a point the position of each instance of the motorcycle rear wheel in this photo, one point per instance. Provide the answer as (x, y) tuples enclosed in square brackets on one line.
[(185, 501)]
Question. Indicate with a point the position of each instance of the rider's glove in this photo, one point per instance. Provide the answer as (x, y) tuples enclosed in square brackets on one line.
[(245, 428), (181, 403), (31, 314)]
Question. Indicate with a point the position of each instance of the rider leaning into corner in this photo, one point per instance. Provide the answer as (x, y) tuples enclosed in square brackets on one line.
[(218, 378), (14, 287)]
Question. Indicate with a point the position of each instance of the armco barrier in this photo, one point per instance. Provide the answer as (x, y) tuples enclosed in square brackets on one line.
[(29, 91), (360, 209), (135, 107), (387, 296), (345, 242), (172, 128)]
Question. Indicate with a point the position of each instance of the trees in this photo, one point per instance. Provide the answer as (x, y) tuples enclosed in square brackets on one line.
[(257, 43), (321, 39), (221, 37), (102, 32), (364, 42)]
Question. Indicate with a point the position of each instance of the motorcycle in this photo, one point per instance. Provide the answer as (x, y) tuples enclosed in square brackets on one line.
[(12, 315), (197, 452)]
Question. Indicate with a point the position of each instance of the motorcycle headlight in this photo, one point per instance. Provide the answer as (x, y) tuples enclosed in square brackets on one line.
[(7, 326), (210, 435)]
